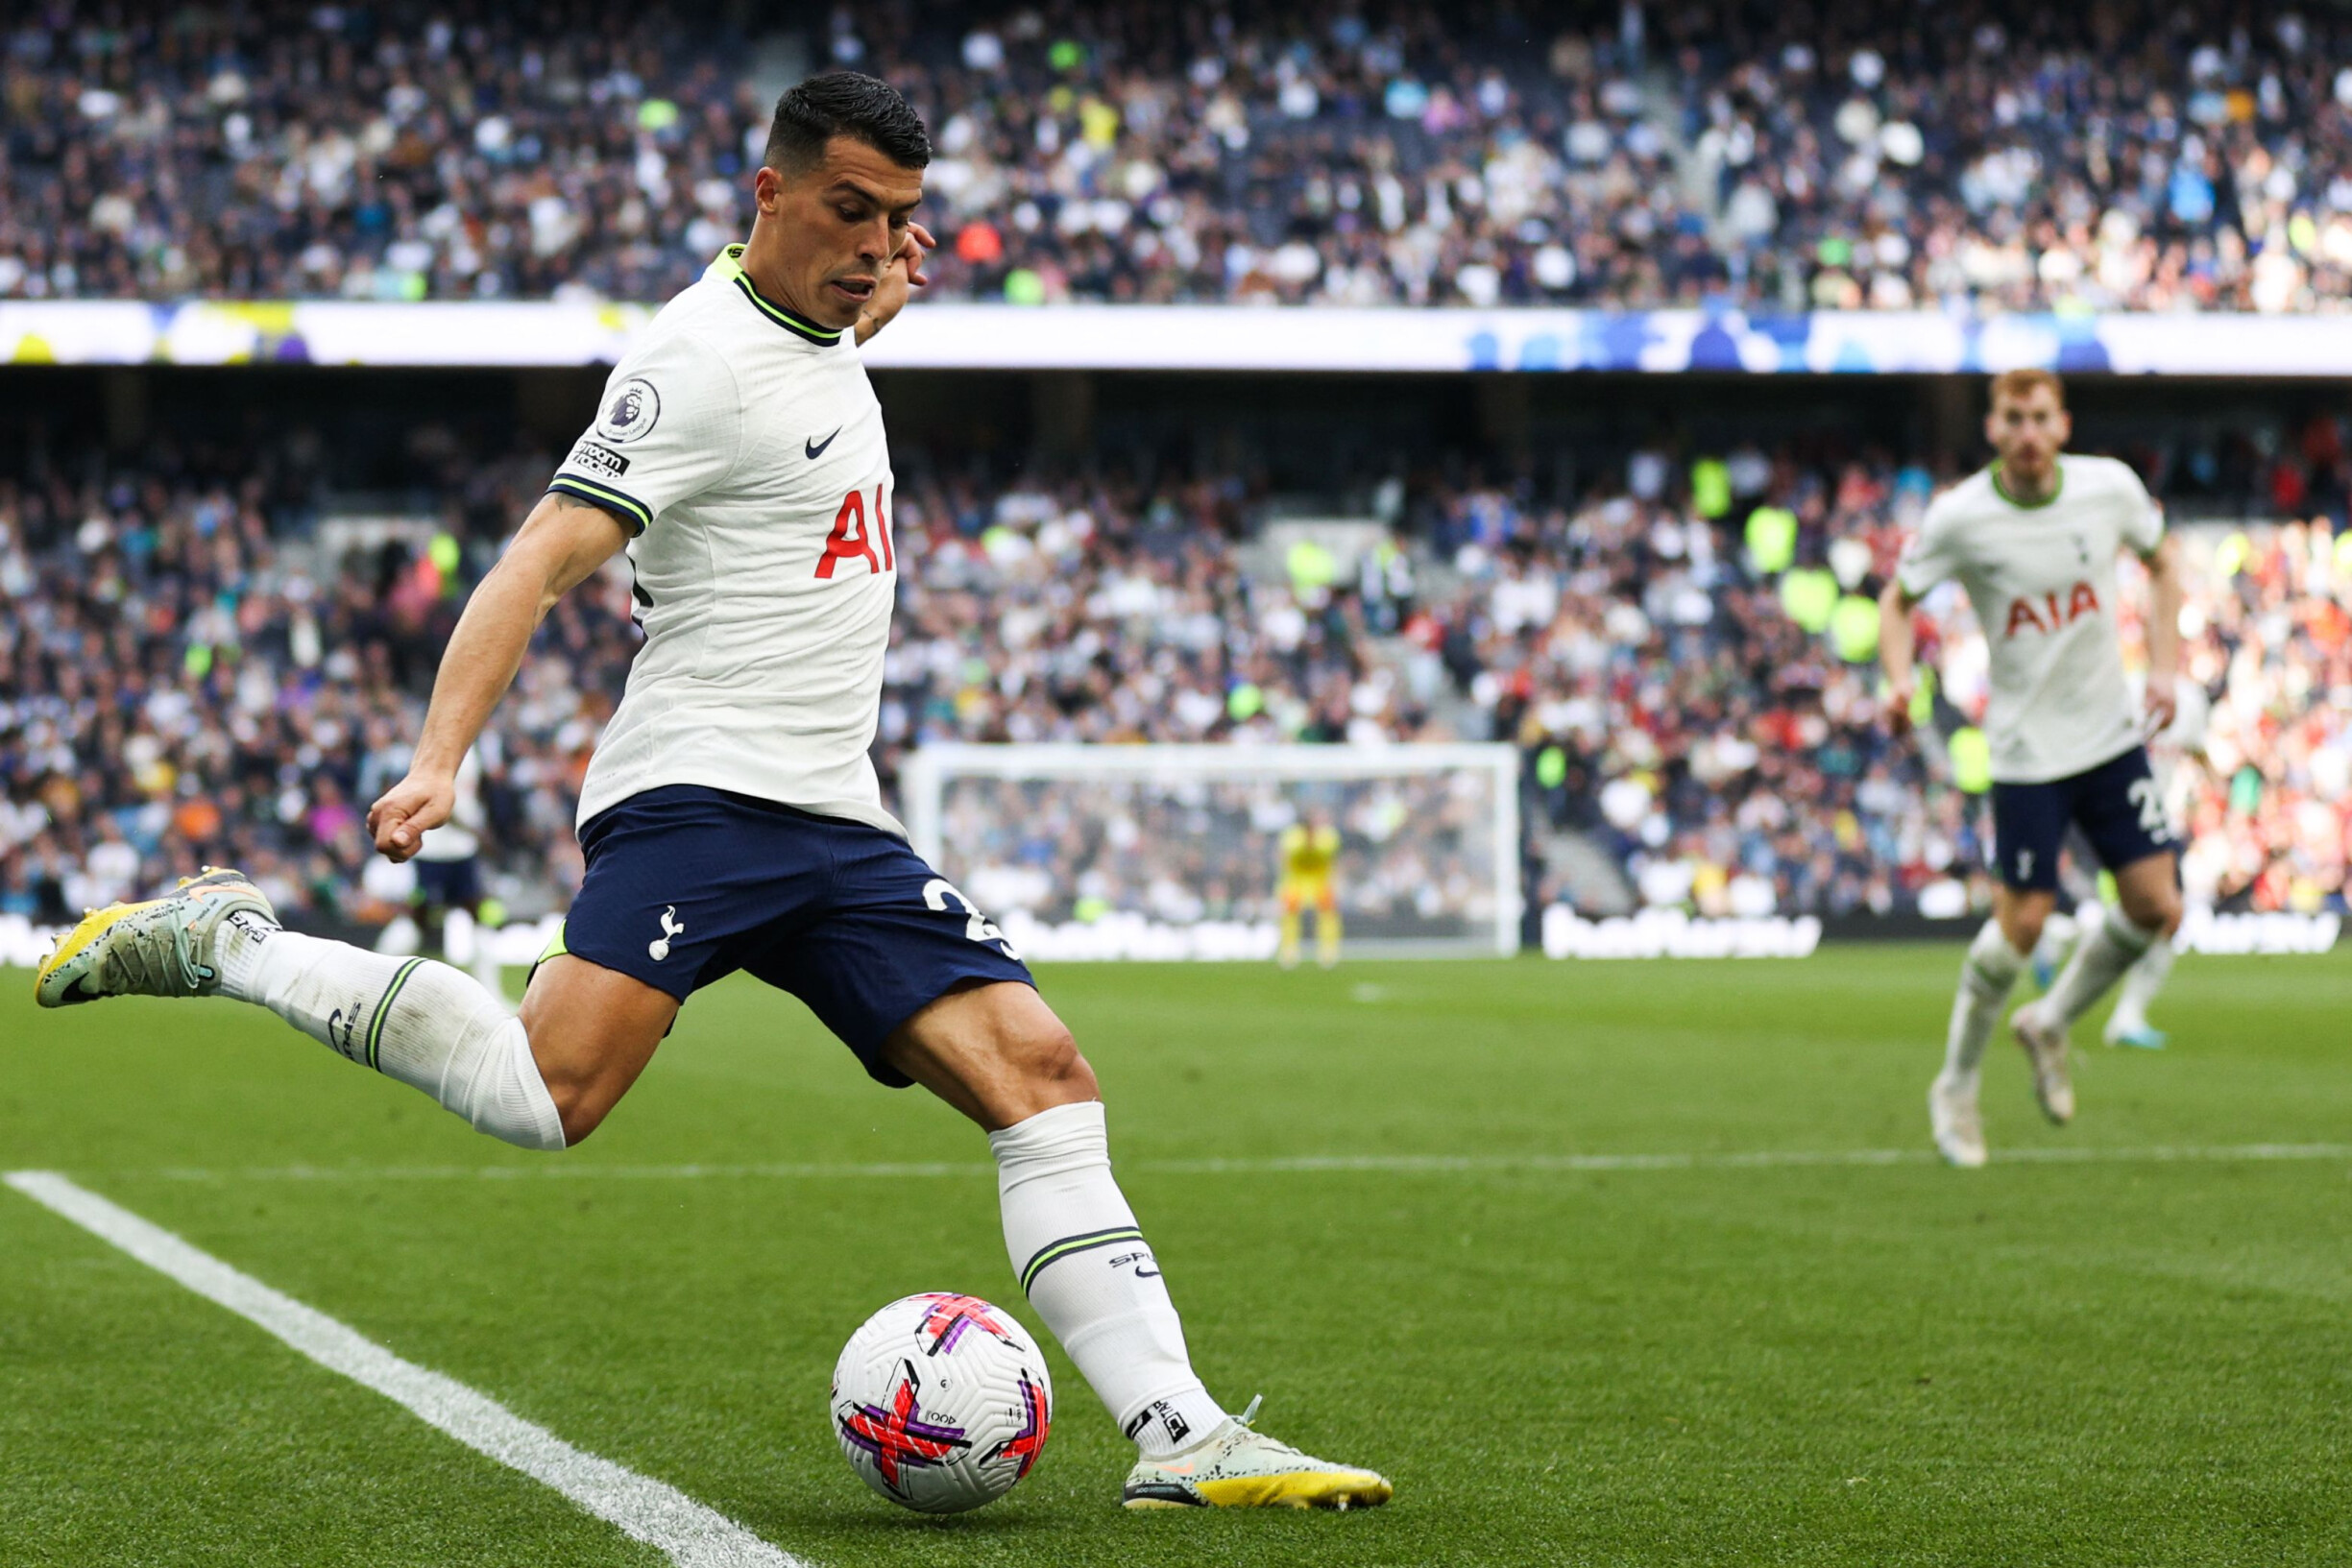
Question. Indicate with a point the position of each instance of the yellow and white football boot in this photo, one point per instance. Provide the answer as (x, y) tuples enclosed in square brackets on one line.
[(164, 947), (1235, 1468)]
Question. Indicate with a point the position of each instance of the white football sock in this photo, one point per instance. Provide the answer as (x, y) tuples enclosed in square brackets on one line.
[(1091, 1276), (2058, 934), (2141, 983), (1987, 975), (2106, 949), (411, 1019)]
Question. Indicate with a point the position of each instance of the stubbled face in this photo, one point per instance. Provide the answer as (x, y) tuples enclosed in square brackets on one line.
[(2029, 430), (838, 225)]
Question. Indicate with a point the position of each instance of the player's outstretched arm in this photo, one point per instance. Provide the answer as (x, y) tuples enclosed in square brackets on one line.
[(560, 543), (2165, 590), (1894, 650)]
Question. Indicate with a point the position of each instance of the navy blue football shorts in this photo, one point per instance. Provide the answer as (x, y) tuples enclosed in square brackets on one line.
[(2115, 804), (687, 884), (449, 884)]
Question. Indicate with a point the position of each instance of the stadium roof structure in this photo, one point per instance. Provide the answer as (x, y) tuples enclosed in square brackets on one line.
[(949, 336)]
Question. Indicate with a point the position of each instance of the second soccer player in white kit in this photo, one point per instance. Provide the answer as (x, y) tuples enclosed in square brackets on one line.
[(2033, 540)]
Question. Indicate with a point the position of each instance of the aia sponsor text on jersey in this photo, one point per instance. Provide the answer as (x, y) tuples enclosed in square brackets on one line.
[(2047, 614)]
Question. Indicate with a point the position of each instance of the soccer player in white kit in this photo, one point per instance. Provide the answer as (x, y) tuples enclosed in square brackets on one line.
[(2033, 541), (731, 817)]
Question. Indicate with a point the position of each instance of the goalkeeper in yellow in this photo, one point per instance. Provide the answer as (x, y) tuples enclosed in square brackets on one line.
[(1309, 852)]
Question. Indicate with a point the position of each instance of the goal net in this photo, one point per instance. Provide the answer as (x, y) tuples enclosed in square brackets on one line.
[(1173, 852)]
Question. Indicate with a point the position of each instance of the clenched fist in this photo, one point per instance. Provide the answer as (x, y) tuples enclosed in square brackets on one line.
[(402, 814)]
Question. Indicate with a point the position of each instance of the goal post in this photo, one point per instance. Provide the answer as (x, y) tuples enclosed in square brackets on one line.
[(1171, 851)]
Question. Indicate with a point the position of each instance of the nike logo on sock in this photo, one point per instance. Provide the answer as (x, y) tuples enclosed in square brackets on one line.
[(816, 448)]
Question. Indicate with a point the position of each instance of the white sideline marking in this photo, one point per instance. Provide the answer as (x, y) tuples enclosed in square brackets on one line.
[(1388, 1164), (638, 1505)]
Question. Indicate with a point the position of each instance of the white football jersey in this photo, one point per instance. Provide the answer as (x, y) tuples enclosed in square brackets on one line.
[(745, 446), (2042, 581)]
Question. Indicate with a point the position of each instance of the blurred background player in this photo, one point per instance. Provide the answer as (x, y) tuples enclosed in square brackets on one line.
[(2176, 756), (449, 882), (1309, 852), (2033, 540)]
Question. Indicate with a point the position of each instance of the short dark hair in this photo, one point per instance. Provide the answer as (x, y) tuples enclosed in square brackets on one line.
[(844, 103)]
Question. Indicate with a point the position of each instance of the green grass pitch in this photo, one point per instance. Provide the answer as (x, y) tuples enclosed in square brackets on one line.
[(2124, 1361)]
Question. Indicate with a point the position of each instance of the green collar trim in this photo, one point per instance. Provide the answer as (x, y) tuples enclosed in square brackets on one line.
[(730, 266), (2055, 491)]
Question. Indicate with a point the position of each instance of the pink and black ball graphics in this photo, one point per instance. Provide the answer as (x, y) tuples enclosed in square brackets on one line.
[(941, 1402)]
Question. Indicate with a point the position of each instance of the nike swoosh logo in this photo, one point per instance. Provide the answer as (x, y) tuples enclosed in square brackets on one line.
[(817, 447)]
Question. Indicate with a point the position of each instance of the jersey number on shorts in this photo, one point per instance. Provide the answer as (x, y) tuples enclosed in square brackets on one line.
[(852, 540), (977, 926), (2142, 794)]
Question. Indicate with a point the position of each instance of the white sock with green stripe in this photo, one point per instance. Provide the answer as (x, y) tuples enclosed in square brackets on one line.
[(2108, 948), (1987, 976), (1091, 1276), (412, 1019), (2141, 983)]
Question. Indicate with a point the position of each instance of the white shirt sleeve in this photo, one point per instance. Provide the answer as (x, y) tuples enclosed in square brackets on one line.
[(1927, 559), (2142, 523), (669, 427)]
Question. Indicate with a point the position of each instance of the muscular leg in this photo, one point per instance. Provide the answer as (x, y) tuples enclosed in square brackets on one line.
[(1995, 957), (2148, 890), (2021, 913), (997, 1054), (2142, 981), (2148, 898), (2151, 901), (540, 1081), (591, 1031)]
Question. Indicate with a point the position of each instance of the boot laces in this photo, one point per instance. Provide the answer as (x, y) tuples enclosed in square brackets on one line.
[(1264, 1444), (154, 957)]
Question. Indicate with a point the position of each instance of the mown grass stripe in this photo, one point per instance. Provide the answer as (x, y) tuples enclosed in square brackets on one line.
[(1268, 1166), (639, 1507)]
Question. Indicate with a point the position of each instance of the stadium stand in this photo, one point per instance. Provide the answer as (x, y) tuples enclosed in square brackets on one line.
[(2134, 156), (199, 661)]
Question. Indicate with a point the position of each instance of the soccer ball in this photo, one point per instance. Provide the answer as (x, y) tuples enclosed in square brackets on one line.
[(941, 1402)]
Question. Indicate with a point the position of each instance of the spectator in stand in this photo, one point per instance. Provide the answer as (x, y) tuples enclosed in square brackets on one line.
[(2132, 157), (1124, 151), (185, 678), (1985, 155), (177, 686)]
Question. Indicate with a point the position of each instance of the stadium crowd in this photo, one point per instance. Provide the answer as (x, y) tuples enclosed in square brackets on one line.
[(2138, 155), (197, 664)]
